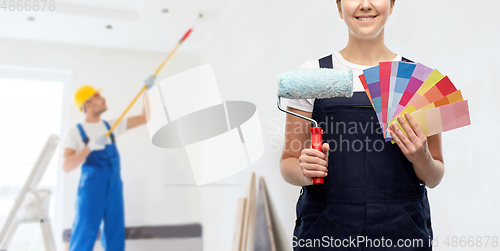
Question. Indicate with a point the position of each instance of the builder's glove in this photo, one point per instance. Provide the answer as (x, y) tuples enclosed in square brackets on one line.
[(150, 81), (97, 143)]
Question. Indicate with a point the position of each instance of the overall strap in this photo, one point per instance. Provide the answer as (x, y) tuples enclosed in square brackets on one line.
[(111, 135), (326, 62), (83, 134), (406, 60)]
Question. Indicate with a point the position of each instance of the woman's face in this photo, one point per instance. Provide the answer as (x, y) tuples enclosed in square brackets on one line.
[(365, 18)]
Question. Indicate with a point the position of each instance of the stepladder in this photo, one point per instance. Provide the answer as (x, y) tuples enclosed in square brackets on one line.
[(32, 204)]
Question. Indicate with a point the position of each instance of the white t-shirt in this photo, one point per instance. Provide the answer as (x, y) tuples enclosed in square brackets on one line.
[(307, 105), (74, 140)]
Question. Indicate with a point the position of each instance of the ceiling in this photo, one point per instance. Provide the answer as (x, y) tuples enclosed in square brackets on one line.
[(134, 24)]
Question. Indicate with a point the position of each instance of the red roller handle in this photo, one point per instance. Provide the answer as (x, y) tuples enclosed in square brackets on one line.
[(317, 143), (186, 35)]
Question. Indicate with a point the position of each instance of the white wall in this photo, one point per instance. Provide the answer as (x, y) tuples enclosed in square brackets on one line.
[(145, 169), (249, 46), (258, 39)]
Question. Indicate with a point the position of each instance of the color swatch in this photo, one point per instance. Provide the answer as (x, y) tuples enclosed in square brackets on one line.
[(420, 74), (395, 88), (441, 119), (441, 89), (372, 77)]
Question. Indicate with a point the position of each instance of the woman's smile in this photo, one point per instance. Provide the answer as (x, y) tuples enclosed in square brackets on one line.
[(366, 18)]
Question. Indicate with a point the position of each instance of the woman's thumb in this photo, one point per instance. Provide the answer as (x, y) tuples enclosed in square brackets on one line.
[(326, 148)]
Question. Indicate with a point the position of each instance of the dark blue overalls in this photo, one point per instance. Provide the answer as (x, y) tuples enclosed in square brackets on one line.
[(371, 191), (99, 199)]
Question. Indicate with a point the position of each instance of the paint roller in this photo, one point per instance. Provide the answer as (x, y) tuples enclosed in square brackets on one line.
[(154, 75), (318, 84)]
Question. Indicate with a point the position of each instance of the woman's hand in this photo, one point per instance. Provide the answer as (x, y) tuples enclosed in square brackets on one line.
[(313, 163), (414, 146)]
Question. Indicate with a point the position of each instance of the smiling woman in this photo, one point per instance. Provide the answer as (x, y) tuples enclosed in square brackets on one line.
[(372, 189)]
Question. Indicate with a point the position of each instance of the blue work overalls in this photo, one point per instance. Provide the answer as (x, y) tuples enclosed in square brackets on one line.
[(371, 190), (99, 199)]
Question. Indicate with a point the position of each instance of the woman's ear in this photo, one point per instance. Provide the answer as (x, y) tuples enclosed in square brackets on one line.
[(339, 8), (392, 6)]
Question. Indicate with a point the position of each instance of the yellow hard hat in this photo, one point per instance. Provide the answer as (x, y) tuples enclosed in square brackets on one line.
[(83, 94)]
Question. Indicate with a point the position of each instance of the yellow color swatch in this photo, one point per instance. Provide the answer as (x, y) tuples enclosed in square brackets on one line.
[(420, 117), (431, 81)]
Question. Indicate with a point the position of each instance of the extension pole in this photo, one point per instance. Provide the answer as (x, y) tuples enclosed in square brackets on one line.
[(154, 75)]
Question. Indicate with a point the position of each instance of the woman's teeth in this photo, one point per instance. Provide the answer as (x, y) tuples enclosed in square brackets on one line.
[(365, 18)]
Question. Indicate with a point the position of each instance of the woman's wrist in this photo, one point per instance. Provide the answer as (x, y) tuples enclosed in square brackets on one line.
[(304, 181), (292, 173), (424, 162), (429, 172)]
